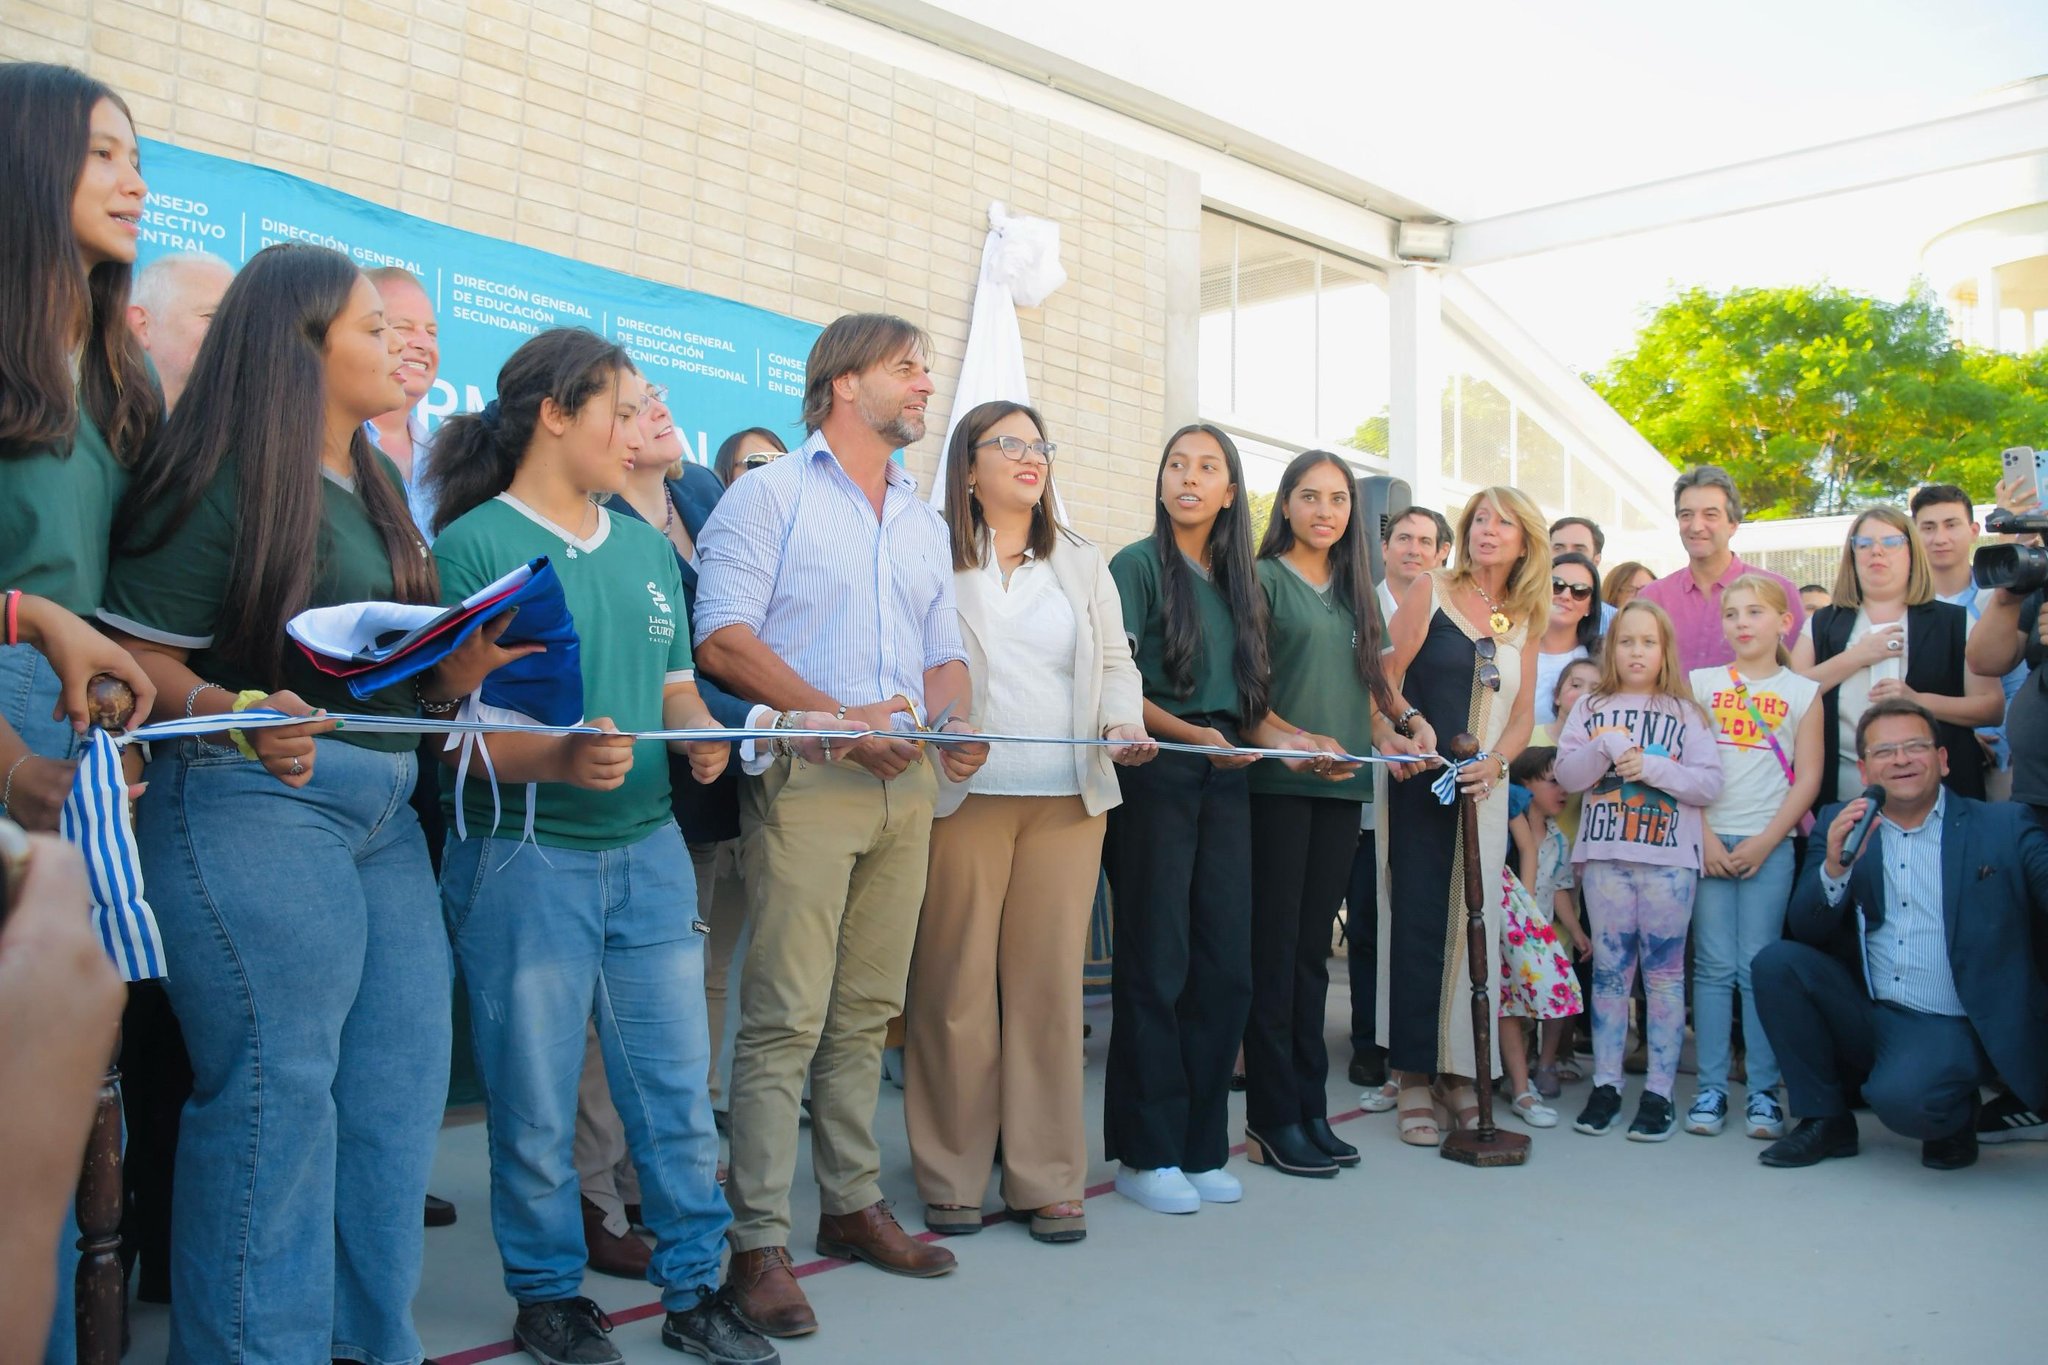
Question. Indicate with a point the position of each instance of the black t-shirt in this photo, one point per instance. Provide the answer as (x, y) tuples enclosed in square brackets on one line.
[(2026, 719)]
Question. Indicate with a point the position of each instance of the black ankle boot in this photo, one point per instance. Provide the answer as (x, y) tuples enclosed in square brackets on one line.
[(1331, 1146), (1288, 1150)]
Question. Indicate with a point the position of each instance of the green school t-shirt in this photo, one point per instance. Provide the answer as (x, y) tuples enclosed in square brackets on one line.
[(1309, 638), (625, 595), (173, 595), (56, 510), (1136, 571)]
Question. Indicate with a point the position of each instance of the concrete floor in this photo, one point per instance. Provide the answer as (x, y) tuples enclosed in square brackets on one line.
[(1598, 1250)]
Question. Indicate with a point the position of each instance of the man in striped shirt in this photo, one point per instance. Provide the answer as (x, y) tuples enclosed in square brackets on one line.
[(1909, 968), (826, 594)]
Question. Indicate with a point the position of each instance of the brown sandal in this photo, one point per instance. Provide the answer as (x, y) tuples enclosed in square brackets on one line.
[(952, 1220), (1061, 1222), (1420, 1118)]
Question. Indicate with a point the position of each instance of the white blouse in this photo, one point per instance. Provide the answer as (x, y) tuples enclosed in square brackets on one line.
[(1030, 641)]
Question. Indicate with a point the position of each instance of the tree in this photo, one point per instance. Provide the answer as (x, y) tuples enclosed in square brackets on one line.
[(1817, 400)]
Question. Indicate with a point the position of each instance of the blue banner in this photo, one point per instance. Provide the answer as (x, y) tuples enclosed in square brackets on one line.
[(726, 365)]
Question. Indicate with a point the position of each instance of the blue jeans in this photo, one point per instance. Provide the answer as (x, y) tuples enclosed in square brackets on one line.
[(311, 979), (547, 939), (1732, 921)]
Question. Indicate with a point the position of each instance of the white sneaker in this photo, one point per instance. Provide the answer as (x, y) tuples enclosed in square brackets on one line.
[(1164, 1190), (1216, 1187)]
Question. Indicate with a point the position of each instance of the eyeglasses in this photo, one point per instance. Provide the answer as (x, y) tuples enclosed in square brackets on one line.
[(1910, 748), (1579, 591), (656, 393), (1013, 447), (761, 457), (1489, 671), (1891, 542)]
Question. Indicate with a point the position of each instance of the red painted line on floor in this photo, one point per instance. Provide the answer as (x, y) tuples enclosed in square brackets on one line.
[(499, 1350)]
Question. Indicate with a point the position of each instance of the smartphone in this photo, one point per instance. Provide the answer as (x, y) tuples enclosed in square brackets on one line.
[(2026, 474)]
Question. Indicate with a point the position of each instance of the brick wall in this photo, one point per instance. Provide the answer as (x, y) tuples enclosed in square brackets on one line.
[(687, 144)]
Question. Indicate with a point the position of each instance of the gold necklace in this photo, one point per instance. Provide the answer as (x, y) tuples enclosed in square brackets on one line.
[(1498, 623)]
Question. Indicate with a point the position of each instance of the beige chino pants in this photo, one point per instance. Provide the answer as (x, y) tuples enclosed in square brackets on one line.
[(833, 860), (993, 1020)]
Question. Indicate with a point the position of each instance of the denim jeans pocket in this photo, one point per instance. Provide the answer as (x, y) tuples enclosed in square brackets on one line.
[(200, 752), (455, 908)]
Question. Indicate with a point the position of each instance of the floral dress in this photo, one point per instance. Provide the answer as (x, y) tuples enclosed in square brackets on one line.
[(1536, 978)]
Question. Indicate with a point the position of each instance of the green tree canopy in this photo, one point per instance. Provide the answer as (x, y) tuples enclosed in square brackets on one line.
[(1817, 400)]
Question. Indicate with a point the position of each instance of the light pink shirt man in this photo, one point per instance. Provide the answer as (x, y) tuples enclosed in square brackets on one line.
[(1708, 513)]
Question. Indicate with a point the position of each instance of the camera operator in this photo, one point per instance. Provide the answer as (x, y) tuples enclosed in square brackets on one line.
[(2013, 627)]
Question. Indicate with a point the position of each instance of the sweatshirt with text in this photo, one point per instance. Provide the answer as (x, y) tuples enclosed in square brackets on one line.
[(1657, 819)]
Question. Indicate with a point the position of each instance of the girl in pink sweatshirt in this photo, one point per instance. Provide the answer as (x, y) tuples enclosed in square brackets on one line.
[(1643, 752)]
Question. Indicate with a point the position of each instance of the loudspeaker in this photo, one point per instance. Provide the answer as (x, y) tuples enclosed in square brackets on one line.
[(1381, 498)]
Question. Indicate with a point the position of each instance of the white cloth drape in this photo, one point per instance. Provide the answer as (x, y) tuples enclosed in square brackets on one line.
[(1020, 266)]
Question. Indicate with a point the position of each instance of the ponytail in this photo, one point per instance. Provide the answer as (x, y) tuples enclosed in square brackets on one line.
[(476, 454)]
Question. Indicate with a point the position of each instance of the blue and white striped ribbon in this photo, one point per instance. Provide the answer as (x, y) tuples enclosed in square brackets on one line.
[(1445, 788), (95, 818)]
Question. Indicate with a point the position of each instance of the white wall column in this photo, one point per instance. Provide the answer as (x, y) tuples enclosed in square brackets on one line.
[(1989, 306), (1415, 408)]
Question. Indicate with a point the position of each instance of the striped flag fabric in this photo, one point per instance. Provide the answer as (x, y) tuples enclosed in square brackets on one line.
[(95, 818)]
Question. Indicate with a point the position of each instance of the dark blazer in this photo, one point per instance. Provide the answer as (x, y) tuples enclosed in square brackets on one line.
[(705, 814), (1935, 633), (1994, 906)]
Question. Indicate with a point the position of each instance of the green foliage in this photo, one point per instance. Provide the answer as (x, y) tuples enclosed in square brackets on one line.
[(1262, 511), (1818, 400)]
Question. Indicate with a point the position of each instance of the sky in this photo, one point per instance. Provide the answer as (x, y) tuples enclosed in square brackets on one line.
[(1479, 107)]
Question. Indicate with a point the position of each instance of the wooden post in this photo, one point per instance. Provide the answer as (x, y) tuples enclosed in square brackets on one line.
[(1485, 1145), (101, 1306)]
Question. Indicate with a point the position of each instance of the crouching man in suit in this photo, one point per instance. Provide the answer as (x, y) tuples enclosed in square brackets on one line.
[(1912, 971)]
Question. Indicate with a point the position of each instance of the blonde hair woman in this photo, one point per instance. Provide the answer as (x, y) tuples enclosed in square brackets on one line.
[(1462, 651), (1887, 635)]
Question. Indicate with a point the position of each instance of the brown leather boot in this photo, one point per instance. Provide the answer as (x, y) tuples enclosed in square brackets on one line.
[(626, 1257), (873, 1235), (765, 1291)]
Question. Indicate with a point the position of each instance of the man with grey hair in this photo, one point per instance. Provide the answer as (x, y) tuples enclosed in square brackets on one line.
[(1709, 509), (169, 310)]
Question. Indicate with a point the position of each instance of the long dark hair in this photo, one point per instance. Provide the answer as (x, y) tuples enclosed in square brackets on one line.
[(1350, 570), (258, 398), (477, 453), (1230, 569), (963, 509), (1588, 635), (726, 463), (49, 301)]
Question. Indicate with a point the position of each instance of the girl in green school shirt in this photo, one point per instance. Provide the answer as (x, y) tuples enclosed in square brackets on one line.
[(1324, 642), (1178, 850), (77, 405)]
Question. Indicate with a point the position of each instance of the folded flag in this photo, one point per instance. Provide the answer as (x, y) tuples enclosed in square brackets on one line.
[(95, 818), (375, 644)]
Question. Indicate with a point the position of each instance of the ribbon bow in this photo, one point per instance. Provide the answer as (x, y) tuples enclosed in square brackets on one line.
[(1445, 788)]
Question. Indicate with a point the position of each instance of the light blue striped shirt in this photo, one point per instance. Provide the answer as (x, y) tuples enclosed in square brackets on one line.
[(1905, 958), (859, 608)]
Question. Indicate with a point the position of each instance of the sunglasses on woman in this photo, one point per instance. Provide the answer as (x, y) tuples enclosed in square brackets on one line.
[(759, 458), (1579, 591), (1489, 671)]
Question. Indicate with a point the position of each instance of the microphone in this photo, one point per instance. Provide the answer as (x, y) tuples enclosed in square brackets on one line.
[(1853, 845)]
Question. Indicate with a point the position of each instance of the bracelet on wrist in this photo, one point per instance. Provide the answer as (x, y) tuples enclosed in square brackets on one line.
[(13, 622), (7, 787), (439, 710), (1401, 722)]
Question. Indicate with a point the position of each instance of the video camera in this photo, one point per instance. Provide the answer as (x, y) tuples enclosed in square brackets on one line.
[(2019, 569)]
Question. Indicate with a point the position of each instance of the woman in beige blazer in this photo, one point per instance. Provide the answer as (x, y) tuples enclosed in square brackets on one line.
[(1015, 848)]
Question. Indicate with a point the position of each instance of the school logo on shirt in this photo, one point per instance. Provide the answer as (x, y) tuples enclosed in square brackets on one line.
[(661, 628)]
